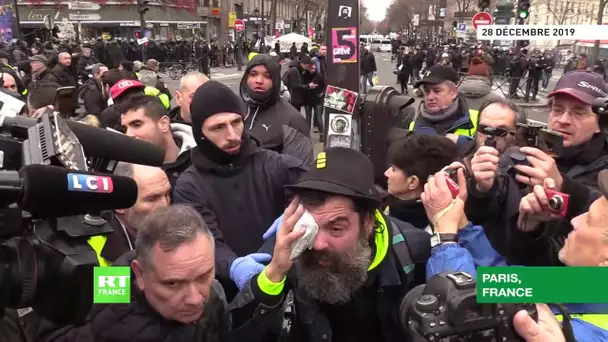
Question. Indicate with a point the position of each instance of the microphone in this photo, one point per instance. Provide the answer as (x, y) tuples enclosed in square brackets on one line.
[(101, 143), (51, 191)]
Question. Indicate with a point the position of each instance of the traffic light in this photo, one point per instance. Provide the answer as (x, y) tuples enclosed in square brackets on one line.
[(142, 6), (454, 25), (137, 35), (523, 9), (483, 4)]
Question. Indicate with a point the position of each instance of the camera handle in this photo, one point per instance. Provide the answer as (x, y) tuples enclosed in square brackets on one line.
[(566, 326)]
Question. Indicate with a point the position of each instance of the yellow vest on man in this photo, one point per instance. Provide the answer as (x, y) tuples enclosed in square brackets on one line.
[(151, 91), (474, 117), (97, 243)]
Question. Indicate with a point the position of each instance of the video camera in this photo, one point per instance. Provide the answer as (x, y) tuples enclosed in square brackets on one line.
[(46, 262), (446, 309)]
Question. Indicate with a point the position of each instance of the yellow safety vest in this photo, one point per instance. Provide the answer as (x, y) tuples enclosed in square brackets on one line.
[(599, 320), (97, 243), (474, 117), (151, 91)]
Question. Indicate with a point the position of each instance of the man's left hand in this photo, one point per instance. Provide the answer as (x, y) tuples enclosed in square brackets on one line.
[(547, 329), (543, 166)]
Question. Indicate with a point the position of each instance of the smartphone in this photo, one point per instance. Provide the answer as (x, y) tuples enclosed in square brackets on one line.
[(63, 102)]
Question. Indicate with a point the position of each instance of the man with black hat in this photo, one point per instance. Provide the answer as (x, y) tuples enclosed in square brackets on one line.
[(497, 193), (349, 285), (236, 186), (443, 112), (293, 81)]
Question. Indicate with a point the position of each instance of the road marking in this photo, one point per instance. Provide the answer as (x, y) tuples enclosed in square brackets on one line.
[(220, 76)]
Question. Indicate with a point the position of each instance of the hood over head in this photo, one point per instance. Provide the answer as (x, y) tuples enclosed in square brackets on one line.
[(475, 86), (262, 99)]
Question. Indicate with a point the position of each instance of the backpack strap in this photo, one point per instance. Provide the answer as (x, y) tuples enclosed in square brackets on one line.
[(402, 254)]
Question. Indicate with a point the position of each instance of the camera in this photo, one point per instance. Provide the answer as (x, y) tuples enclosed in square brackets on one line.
[(446, 309), (451, 180), (558, 203), (46, 262), (492, 133), (536, 135)]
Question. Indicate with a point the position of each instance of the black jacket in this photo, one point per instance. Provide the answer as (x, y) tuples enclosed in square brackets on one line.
[(139, 322), (368, 63), (293, 81), (92, 96), (238, 201), (255, 314), (498, 209), (277, 124)]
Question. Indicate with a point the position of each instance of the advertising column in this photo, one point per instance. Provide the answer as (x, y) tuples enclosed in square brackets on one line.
[(342, 73)]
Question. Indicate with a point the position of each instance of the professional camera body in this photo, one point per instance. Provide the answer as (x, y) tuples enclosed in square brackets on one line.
[(535, 134), (446, 309)]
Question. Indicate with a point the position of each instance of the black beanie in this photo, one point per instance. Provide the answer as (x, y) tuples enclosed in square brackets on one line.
[(209, 99), (212, 98)]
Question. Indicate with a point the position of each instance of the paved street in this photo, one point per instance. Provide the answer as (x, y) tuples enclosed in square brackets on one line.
[(536, 111), (231, 77)]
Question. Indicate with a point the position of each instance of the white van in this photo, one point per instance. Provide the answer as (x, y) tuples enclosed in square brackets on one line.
[(386, 46), (376, 43)]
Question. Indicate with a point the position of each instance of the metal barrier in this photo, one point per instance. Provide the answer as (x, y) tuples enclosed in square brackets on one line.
[(498, 81)]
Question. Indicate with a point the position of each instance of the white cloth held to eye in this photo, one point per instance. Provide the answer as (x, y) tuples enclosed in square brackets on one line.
[(306, 241)]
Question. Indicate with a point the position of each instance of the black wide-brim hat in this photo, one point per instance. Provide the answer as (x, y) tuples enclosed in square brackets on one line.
[(340, 171)]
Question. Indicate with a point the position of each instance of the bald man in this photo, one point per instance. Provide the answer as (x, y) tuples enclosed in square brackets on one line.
[(183, 96), (66, 77), (9, 83), (153, 189)]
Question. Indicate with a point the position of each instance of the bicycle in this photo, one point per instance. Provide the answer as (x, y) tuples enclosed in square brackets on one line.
[(179, 69)]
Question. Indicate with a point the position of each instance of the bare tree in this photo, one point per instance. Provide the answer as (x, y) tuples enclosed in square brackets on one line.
[(600, 20), (563, 11), (464, 5)]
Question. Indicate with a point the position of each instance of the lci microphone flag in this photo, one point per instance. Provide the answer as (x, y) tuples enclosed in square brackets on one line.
[(6, 20), (559, 284)]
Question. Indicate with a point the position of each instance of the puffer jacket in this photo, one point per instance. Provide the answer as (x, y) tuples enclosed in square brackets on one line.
[(476, 90)]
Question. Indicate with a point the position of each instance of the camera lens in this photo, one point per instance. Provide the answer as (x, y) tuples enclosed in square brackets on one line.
[(556, 202)]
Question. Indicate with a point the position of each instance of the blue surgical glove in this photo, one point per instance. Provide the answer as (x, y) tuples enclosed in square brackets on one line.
[(244, 268), (273, 229)]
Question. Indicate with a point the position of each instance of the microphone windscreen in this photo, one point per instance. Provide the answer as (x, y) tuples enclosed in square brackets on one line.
[(51, 191), (98, 142)]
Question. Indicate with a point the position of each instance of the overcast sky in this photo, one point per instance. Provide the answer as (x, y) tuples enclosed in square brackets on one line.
[(376, 8)]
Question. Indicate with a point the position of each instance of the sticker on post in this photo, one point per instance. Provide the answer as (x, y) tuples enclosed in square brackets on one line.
[(340, 99), (345, 12), (344, 45), (339, 133)]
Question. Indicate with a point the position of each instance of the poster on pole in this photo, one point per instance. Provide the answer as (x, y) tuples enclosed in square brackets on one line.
[(345, 47), (6, 20)]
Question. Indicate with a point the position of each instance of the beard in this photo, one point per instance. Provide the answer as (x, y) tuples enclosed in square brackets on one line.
[(336, 283)]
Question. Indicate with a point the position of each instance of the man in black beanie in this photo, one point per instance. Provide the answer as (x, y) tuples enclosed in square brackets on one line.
[(237, 186)]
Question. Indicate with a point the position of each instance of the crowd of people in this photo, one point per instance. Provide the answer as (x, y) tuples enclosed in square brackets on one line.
[(210, 238)]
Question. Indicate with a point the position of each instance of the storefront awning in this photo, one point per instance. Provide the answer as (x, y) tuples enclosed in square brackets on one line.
[(108, 15)]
